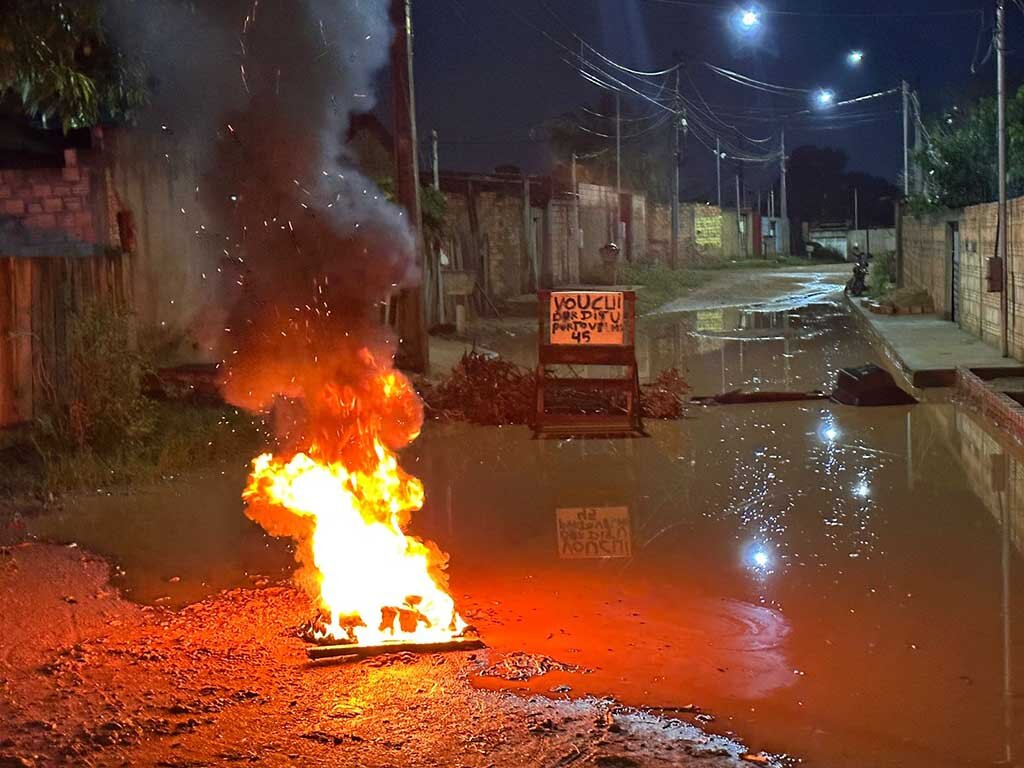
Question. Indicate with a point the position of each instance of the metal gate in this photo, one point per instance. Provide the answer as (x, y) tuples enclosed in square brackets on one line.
[(954, 244)]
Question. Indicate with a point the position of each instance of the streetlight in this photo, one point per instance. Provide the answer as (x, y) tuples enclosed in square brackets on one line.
[(749, 18), (824, 97), (854, 58)]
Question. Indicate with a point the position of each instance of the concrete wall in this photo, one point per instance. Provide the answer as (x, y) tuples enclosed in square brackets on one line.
[(872, 241), (927, 264), (175, 259)]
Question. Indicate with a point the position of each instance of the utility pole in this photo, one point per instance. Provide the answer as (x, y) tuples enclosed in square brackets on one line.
[(906, 138), (413, 347), (771, 202), (1003, 222), (618, 171), (739, 220), (783, 212), (718, 169), (437, 172), (856, 209), (576, 218), (676, 118)]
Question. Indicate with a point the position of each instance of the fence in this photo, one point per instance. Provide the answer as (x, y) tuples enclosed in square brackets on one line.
[(37, 298)]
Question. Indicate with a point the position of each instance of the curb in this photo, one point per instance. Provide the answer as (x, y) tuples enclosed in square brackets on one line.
[(1002, 411), (879, 342)]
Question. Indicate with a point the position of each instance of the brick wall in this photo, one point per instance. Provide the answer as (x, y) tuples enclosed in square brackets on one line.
[(924, 256), (52, 199), (927, 264)]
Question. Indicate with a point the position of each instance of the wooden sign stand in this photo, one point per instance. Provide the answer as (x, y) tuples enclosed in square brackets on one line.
[(588, 327)]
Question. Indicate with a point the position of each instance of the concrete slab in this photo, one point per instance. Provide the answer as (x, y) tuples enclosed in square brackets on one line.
[(930, 349)]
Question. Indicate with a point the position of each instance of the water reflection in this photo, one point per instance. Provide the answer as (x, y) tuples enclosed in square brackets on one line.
[(755, 349), (835, 582)]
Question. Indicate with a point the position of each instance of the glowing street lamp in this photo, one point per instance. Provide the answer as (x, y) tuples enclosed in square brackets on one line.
[(855, 58), (749, 18), (824, 98)]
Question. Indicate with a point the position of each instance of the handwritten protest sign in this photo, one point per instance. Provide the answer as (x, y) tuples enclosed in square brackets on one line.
[(587, 317), (594, 532)]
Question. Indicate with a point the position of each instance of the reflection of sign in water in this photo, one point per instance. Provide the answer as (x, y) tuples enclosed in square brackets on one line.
[(587, 317), (708, 230), (711, 320), (594, 532)]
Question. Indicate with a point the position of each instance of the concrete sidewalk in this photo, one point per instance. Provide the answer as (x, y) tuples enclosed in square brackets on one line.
[(929, 349)]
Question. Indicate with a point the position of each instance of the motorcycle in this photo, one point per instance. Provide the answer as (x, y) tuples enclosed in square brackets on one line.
[(858, 284)]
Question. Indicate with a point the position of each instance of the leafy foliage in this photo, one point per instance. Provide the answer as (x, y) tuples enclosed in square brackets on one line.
[(104, 408), (646, 148), (433, 208), (960, 160), (882, 274), (57, 64)]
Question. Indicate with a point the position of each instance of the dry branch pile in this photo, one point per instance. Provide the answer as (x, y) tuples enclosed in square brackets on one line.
[(491, 391)]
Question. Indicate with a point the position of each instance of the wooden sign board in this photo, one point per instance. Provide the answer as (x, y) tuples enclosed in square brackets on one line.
[(587, 317), (594, 532)]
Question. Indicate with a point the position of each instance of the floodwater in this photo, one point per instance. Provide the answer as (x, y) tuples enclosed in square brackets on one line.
[(843, 585)]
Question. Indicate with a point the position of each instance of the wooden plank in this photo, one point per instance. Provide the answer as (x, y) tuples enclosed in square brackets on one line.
[(321, 652), (61, 302), (22, 340), (558, 354), (7, 415)]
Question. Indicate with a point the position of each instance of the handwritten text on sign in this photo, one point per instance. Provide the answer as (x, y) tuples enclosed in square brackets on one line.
[(587, 317), (594, 532)]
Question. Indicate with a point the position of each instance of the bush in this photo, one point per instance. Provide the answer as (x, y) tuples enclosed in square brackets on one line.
[(101, 406), (660, 284), (882, 274)]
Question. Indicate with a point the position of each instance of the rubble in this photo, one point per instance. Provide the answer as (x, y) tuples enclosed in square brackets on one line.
[(494, 392)]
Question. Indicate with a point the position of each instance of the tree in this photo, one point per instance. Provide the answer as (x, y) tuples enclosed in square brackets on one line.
[(57, 64), (646, 151), (821, 189), (959, 162)]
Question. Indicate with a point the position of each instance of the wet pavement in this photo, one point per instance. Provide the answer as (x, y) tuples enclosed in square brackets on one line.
[(835, 583)]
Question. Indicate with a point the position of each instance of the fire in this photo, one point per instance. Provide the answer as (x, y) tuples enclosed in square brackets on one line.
[(347, 502)]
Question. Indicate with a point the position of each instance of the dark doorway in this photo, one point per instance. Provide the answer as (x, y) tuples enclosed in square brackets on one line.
[(954, 272)]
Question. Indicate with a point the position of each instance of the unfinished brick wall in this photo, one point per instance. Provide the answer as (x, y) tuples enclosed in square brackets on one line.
[(51, 199), (924, 256), (927, 264)]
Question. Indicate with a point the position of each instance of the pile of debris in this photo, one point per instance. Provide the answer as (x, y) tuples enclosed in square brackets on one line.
[(495, 392)]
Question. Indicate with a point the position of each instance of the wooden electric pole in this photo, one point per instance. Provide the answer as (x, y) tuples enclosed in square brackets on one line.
[(413, 347)]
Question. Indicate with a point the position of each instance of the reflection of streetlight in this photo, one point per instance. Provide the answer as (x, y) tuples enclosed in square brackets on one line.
[(862, 490), (854, 58)]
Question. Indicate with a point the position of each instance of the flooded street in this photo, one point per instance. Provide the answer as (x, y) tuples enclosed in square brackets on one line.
[(843, 585)]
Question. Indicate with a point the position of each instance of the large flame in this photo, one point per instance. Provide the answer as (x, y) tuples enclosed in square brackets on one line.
[(346, 501)]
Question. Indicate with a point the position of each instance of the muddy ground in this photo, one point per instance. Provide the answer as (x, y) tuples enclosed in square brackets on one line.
[(88, 678)]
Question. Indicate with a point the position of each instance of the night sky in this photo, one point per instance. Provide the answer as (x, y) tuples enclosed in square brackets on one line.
[(487, 77)]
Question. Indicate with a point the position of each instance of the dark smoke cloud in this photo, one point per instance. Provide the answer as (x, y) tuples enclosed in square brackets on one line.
[(306, 245)]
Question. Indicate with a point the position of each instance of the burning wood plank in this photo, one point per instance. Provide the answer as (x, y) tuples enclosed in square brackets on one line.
[(352, 650)]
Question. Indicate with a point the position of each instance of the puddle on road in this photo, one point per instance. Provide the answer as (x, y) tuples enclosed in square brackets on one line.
[(832, 582)]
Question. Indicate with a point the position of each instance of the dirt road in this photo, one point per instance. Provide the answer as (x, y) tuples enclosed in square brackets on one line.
[(89, 679)]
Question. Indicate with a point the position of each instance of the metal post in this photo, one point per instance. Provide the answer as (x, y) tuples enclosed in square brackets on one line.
[(783, 211), (437, 172), (718, 169), (1003, 221), (907, 179), (574, 274), (771, 203), (856, 210), (619, 238), (676, 118), (414, 350), (741, 240)]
